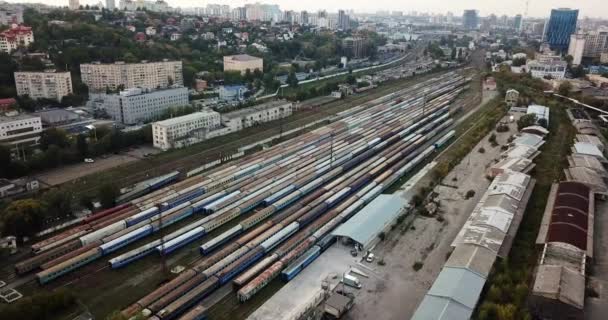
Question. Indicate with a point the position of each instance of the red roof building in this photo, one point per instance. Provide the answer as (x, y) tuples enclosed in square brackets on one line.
[(15, 37), (7, 104)]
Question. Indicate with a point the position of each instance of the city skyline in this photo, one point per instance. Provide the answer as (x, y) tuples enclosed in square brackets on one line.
[(537, 8)]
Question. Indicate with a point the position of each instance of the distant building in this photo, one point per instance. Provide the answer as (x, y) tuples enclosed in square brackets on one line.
[(561, 25), (489, 84), (343, 20), (242, 62), (470, 19), (11, 14), (110, 4), (150, 31), (20, 130), (16, 36), (576, 48), (7, 104), (155, 6), (48, 84), (138, 105), (232, 93), (200, 85), (165, 133), (74, 4), (596, 43), (248, 117), (517, 22), (148, 75)]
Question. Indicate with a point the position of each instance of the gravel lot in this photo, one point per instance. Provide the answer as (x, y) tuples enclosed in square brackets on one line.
[(398, 289)]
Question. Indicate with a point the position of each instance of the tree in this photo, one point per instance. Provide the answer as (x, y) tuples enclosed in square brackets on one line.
[(526, 121), (578, 71), (518, 62), (453, 54), (350, 79), (569, 59), (54, 136), (107, 195), (23, 218), (5, 161), (564, 88), (292, 80), (82, 145), (58, 203)]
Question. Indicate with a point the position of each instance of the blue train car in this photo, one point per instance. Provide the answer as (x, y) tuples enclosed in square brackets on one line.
[(67, 266), (137, 218), (239, 265), (181, 241), (181, 199), (297, 266), (326, 242), (130, 237), (210, 245), (129, 257)]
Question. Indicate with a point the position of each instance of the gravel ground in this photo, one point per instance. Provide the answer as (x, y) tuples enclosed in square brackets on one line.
[(399, 289)]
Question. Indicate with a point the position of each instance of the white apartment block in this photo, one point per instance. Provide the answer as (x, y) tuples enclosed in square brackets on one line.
[(596, 42), (576, 48), (136, 105), (15, 37), (20, 130), (166, 133), (242, 62), (147, 75), (244, 118), (11, 14), (48, 84)]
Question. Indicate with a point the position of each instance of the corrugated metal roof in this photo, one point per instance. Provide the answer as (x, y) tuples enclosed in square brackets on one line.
[(453, 295), (372, 219), (529, 140), (541, 112), (587, 148)]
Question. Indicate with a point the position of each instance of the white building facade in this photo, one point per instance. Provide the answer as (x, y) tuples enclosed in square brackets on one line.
[(20, 130), (49, 84), (554, 70), (165, 133), (136, 105), (16, 36), (576, 48), (244, 118), (148, 75)]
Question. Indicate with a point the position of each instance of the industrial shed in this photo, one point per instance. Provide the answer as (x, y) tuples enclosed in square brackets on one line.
[(364, 227), (588, 149), (529, 140), (453, 295)]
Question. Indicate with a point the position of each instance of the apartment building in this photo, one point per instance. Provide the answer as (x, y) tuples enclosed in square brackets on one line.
[(48, 84), (166, 133), (147, 75), (242, 62), (137, 105), (14, 37), (550, 69), (20, 130), (10, 14)]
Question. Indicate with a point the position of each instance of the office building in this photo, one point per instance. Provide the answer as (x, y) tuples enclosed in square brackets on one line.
[(561, 25), (168, 132), (596, 43), (147, 75), (548, 70), (242, 62), (470, 19), (155, 6), (576, 48), (11, 14), (74, 4), (244, 118), (110, 4), (20, 130), (232, 93), (48, 84), (517, 22), (14, 37), (137, 105)]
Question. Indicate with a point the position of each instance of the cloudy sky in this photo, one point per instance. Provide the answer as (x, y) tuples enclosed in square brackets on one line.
[(537, 8)]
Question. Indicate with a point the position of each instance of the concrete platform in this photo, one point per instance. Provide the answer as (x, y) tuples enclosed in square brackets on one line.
[(305, 289)]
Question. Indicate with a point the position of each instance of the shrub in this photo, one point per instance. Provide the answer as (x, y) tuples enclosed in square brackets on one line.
[(481, 150), (418, 265), (382, 236), (469, 194), (381, 262)]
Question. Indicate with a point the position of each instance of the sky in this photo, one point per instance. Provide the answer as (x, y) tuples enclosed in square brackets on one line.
[(537, 8)]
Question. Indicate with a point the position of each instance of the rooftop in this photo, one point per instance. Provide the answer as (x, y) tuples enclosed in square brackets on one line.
[(365, 226), (242, 57), (258, 108), (188, 117)]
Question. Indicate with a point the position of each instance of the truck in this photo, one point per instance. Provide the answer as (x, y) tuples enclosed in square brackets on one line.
[(351, 281)]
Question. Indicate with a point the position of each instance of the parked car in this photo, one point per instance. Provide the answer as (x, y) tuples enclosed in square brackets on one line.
[(88, 160), (370, 257)]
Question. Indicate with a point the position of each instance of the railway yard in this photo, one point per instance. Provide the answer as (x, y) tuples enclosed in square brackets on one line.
[(224, 241)]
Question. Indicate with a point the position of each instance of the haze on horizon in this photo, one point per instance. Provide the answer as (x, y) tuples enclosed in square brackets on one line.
[(537, 8)]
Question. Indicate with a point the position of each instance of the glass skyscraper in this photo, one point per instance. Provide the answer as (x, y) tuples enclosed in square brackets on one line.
[(470, 20), (561, 25)]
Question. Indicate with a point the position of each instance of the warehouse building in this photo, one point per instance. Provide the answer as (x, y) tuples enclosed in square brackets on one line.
[(167, 132), (48, 84), (242, 62), (148, 75), (364, 228), (566, 238), (244, 118), (137, 105), (486, 235)]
